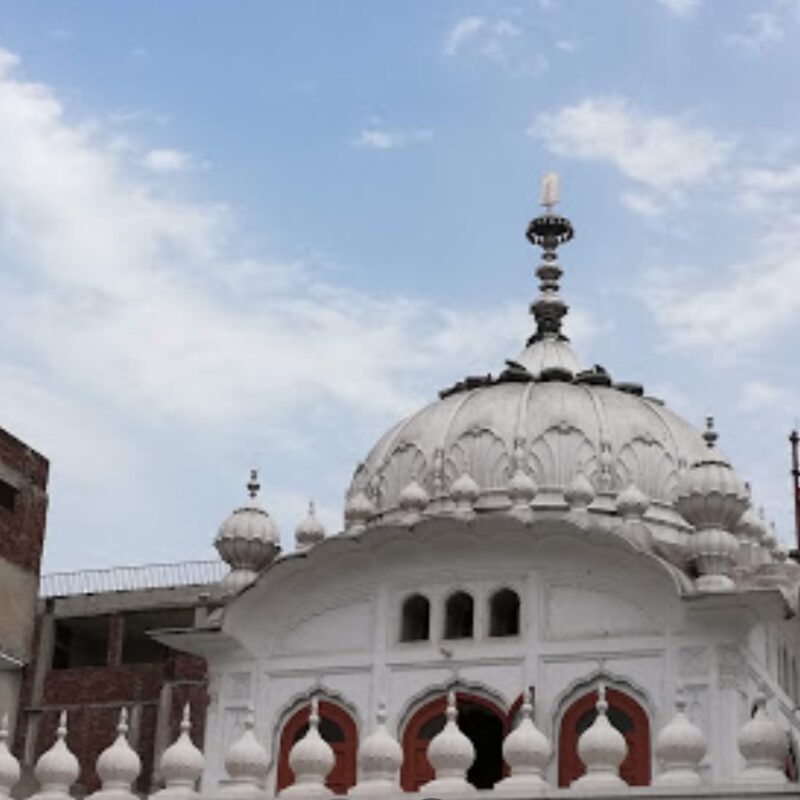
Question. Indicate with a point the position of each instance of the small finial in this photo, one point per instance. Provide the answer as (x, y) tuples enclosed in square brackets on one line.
[(186, 719), (250, 720), (549, 191), (680, 700), (709, 434), (253, 485), (602, 703), (4, 728), (122, 725), (527, 703), (380, 715), (61, 733), (313, 717), (452, 709)]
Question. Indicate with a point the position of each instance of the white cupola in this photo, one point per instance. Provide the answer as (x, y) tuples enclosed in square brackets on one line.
[(181, 765), (247, 764), (680, 747), (380, 757), (310, 531), (247, 541)]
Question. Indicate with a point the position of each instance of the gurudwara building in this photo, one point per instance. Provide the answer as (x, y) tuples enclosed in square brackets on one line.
[(547, 582)]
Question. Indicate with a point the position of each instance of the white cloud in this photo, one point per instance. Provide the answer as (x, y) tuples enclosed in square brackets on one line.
[(465, 30), (762, 396), (662, 153), (761, 30), (748, 304), (497, 40), (681, 8), (378, 137), (772, 181), (167, 160), (641, 203)]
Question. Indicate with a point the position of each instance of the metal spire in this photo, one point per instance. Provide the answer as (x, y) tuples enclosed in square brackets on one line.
[(253, 485), (548, 231), (794, 439)]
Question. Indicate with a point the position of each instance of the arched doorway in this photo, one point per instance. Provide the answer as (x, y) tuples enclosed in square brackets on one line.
[(338, 729), (626, 715), (479, 719)]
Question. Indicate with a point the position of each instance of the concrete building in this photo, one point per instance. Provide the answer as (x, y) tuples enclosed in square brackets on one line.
[(23, 512)]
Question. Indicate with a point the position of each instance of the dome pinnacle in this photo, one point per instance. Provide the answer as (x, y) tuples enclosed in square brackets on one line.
[(548, 231)]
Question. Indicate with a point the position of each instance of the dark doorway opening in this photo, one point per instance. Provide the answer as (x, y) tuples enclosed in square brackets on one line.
[(485, 730)]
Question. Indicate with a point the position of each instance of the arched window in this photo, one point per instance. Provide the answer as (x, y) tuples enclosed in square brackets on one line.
[(481, 721), (458, 616), (416, 619), (626, 715), (338, 729), (504, 613)]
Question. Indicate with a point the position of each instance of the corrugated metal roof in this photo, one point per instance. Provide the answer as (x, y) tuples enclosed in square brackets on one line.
[(123, 579)]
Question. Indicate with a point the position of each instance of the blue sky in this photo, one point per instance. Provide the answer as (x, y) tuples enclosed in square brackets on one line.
[(258, 233)]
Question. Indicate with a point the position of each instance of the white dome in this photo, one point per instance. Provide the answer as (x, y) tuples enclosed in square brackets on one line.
[(248, 540), (556, 429), (581, 437)]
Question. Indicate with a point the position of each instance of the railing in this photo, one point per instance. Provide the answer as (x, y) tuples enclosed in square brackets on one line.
[(125, 579)]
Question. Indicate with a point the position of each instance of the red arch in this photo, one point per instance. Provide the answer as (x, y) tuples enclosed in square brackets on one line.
[(416, 769), (635, 769), (343, 775)]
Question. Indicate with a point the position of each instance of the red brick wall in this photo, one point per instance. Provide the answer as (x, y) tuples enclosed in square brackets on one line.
[(22, 530)]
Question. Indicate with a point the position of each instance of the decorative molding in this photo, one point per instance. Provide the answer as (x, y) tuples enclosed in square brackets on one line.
[(559, 453), (483, 455)]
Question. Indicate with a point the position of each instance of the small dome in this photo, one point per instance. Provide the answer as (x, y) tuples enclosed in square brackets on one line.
[(548, 354), (248, 540), (413, 499), (451, 754), (632, 503), (311, 758), (527, 752), (464, 489), (580, 493), (680, 747), (310, 531), (602, 749), (710, 494), (182, 763), (119, 765), (57, 768), (247, 761), (521, 488), (380, 757), (359, 510), (764, 746)]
